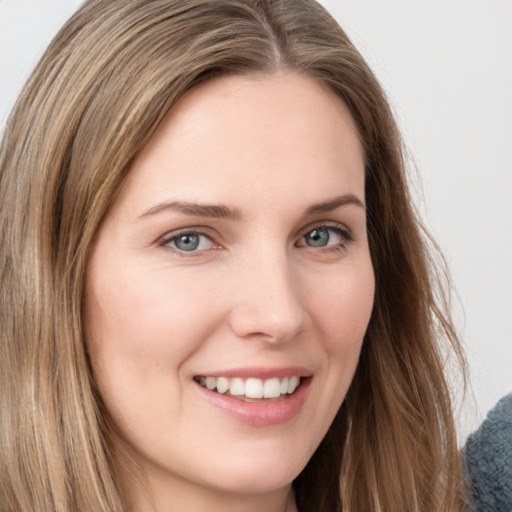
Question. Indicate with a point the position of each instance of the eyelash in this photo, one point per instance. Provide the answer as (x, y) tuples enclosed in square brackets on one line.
[(345, 234)]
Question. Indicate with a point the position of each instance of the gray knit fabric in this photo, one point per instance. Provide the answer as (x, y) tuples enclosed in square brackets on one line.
[(488, 461)]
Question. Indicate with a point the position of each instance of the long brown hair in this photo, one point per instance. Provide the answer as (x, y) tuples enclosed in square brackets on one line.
[(94, 100)]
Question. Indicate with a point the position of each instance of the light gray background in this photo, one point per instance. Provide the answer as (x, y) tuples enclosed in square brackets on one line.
[(447, 67)]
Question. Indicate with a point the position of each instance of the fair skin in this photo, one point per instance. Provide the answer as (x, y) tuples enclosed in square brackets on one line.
[(236, 252)]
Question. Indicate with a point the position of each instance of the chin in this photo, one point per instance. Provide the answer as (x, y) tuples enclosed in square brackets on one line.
[(255, 481)]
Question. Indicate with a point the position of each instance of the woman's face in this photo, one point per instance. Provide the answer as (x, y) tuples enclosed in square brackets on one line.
[(230, 286)]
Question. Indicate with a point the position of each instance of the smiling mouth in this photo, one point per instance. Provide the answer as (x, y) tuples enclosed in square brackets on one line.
[(251, 389)]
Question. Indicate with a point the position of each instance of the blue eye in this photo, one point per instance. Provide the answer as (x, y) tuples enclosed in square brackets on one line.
[(326, 236), (317, 237), (189, 242)]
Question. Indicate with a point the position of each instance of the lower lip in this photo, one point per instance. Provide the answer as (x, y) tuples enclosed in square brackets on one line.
[(263, 413)]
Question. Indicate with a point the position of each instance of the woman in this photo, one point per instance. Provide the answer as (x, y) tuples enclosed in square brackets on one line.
[(215, 292)]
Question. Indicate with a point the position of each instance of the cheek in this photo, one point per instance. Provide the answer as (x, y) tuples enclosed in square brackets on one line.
[(342, 309), (140, 331), (144, 314)]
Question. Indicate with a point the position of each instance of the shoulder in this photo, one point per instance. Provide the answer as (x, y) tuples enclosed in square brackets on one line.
[(488, 460)]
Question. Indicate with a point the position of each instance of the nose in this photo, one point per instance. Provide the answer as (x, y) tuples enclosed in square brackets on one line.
[(267, 301)]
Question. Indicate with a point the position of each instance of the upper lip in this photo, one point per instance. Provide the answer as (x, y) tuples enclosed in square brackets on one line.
[(261, 372)]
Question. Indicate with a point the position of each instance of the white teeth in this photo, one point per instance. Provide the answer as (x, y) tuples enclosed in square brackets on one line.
[(222, 384), (252, 387), (237, 387), (284, 386), (293, 382), (272, 388), (211, 383)]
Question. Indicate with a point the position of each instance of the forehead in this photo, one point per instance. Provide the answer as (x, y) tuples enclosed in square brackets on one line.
[(241, 134)]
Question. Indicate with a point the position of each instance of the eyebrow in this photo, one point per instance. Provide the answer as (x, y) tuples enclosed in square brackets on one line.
[(216, 211), (220, 211), (336, 202)]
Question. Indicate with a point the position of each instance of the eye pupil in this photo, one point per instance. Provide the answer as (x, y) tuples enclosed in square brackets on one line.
[(188, 242), (317, 238)]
